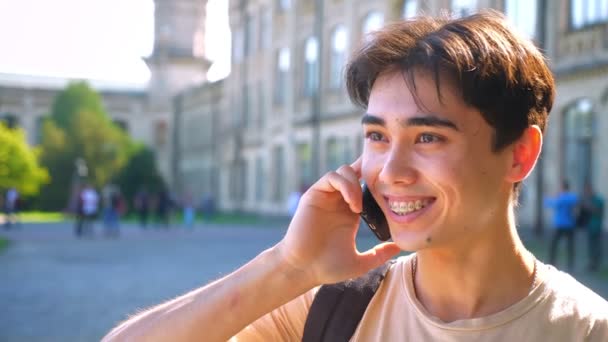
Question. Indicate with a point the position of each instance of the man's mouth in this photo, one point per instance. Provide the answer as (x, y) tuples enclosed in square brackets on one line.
[(402, 208)]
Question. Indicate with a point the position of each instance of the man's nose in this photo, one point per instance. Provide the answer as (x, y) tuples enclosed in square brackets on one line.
[(398, 168)]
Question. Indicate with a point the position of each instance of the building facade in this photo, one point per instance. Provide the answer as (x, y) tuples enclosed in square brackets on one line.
[(281, 119), (284, 119), (176, 64)]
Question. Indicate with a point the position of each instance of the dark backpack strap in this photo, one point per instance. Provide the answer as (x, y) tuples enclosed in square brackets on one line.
[(337, 308)]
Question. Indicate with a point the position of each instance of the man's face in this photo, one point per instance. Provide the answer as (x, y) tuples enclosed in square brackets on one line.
[(431, 169)]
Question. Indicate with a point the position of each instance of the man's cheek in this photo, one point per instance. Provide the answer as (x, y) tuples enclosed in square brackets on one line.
[(371, 165)]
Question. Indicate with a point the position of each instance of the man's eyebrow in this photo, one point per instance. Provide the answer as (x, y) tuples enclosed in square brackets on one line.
[(433, 121), (369, 119)]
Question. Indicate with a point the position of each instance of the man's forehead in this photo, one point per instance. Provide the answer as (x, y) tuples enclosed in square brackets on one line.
[(421, 96), (419, 83)]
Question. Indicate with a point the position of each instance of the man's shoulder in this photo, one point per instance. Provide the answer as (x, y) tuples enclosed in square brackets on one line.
[(568, 298)]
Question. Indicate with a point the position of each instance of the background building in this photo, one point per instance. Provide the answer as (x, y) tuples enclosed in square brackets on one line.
[(282, 118)]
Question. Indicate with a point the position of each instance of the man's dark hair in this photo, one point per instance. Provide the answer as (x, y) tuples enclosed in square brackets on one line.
[(496, 71)]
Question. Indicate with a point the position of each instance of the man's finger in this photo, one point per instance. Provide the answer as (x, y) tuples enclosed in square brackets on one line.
[(351, 192), (347, 172)]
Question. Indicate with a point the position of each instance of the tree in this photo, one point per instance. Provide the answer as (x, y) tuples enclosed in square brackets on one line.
[(19, 166), (80, 129), (140, 172)]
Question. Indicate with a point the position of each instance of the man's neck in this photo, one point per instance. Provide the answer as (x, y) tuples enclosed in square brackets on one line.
[(493, 273)]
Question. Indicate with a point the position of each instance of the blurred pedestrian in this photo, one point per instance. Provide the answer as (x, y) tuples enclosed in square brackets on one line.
[(163, 208), (188, 210), (592, 218), (88, 206), (142, 206), (564, 222), (207, 206), (11, 208), (112, 208)]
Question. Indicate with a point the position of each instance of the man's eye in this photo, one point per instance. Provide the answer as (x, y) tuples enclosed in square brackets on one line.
[(427, 138), (374, 136)]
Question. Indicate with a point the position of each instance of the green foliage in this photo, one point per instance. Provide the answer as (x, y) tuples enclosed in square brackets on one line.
[(79, 128), (19, 166), (140, 172), (76, 98)]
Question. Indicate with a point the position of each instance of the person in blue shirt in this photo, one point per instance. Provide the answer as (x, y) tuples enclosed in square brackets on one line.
[(592, 206), (564, 221)]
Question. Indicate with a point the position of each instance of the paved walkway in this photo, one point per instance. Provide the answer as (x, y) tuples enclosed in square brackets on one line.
[(54, 287)]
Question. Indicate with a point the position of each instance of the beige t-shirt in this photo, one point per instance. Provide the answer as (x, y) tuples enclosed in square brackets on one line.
[(559, 308)]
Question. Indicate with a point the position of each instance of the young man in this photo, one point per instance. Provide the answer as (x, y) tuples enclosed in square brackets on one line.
[(455, 111)]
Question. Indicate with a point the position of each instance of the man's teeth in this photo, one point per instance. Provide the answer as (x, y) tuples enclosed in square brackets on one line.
[(406, 207)]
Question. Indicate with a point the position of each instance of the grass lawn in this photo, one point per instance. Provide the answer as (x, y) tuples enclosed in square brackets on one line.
[(40, 216), (3, 243)]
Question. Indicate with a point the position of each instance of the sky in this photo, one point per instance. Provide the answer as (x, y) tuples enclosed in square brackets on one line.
[(94, 39)]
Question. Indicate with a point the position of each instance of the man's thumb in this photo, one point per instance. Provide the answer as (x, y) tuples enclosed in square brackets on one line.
[(378, 255)]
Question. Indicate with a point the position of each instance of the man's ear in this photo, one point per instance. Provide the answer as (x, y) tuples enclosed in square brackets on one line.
[(525, 154)]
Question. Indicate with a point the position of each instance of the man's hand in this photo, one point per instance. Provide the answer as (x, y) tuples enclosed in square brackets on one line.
[(319, 248), (320, 240)]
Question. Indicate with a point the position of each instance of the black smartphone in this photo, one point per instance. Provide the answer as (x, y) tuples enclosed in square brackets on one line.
[(373, 215)]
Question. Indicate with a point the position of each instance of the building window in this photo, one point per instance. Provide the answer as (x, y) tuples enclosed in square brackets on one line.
[(237, 48), (259, 176), (578, 133), (206, 128), (304, 166), (238, 181), (339, 40), (373, 21), (283, 64), (265, 28), (283, 5), (311, 65), (234, 186), (237, 110), (588, 12), (279, 174), (244, 186), (359, 144), (410, 9), (261, 105), (39, 129), (160, 132), (246, 106), (251, 40), (337, 152), (523, 15), (10, 120), (122, 124), (463, 8)]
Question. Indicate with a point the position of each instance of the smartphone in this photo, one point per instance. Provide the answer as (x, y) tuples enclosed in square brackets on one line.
[(373, 215)]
